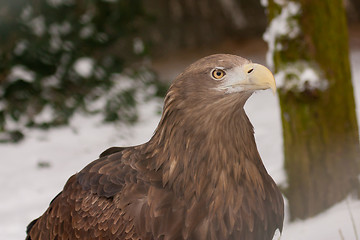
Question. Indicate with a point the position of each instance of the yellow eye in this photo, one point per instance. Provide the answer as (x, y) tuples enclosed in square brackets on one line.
[(218, 73)]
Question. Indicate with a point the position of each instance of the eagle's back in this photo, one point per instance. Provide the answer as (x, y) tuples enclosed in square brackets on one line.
[(119, 197), (105, 200)]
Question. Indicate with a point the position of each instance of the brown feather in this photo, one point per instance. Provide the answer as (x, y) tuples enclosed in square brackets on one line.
[(199, 177)]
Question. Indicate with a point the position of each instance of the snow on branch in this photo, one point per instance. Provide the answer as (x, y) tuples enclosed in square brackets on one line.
[(300, 76), (285, 24)]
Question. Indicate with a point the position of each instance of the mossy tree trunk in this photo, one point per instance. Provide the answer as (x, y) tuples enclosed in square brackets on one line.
[(321, 138)]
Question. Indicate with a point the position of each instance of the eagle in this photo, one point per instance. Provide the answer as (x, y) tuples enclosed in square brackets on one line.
[(200, 176)]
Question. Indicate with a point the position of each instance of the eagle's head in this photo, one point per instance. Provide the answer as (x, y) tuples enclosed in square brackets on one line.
[(221, 78), (227, 74)]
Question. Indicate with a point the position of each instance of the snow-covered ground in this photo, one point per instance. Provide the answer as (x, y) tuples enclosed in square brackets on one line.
[(27, 188)]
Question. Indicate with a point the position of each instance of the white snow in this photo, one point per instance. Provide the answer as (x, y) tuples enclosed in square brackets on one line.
[(37, 25), (285, 24), (20, 47), (21, 72), (46, 115), (299, 76), (58, 29), (138, 45), (264, 3), (58, 3), (122, 83), (84, 66), (27, 189), (87, 31)]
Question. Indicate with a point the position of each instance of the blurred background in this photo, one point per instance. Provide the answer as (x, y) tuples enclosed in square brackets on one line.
[(63, 55), (63, 62)]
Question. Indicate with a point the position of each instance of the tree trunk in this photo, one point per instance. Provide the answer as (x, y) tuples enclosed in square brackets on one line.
[(308, 44)]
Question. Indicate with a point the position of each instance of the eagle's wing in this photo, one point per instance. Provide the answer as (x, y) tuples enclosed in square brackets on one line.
[(114, 197)]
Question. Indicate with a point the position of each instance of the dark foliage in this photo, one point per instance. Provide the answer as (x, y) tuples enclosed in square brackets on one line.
[(61, 56)]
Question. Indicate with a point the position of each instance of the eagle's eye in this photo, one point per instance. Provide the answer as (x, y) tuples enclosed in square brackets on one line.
[(218, 73)]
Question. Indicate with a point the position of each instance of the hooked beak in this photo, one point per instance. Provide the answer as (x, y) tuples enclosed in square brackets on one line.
[(258, 77)]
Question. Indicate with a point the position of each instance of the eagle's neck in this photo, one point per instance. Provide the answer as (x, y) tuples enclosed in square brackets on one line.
[(206, 155), (204, 146)]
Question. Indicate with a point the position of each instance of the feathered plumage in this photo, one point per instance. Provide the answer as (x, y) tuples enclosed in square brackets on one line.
[(199, 177)]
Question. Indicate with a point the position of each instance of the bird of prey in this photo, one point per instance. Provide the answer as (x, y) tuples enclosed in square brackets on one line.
[(200, 176)]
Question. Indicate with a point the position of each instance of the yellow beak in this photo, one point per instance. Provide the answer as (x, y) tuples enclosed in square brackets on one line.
[(259, 77)]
